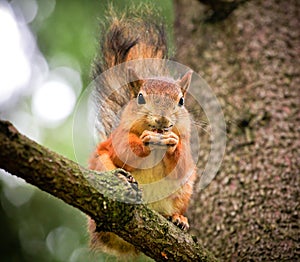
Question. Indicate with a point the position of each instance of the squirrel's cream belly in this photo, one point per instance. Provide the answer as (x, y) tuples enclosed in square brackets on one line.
[(150, 175), (156, 188)]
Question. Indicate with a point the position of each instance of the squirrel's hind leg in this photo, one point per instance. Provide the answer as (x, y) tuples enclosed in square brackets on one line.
[(180, 221)]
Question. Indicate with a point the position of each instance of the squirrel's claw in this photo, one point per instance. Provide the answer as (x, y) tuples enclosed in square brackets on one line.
[(126, 176), (180, 221)]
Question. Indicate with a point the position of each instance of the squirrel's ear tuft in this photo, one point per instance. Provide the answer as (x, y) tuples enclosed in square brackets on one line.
[(185, 81), (135, 82)]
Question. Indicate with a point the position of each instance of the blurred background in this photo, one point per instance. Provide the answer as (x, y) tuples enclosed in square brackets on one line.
[(46, 51)]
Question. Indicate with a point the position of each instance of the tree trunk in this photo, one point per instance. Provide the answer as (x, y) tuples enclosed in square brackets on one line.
[(250, 58)]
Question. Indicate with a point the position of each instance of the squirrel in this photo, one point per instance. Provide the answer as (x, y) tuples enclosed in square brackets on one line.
[(152, 137)]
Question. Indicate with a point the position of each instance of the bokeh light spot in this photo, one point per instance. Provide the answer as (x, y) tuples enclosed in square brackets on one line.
[(53, 102), (14, 66)]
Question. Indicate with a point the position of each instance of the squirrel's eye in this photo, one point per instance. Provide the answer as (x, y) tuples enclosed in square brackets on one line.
[(141, 99), (181, 101)]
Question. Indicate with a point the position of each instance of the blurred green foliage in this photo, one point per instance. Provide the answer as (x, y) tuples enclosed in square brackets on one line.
[(34, 225)]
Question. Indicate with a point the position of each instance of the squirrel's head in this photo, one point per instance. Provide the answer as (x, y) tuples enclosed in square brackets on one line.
[(159, 102)]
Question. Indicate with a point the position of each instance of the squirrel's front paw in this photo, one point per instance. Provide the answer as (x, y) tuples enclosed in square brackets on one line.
[(180, 221), (125, 176), (169, 140), (150, 137)]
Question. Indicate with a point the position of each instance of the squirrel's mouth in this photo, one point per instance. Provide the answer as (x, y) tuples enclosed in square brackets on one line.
[(159, 131)]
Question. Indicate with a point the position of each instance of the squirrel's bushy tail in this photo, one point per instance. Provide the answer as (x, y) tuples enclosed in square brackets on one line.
[(134, 34)]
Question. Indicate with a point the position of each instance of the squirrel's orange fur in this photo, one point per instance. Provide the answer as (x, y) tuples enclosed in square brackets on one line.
[(151, 140)]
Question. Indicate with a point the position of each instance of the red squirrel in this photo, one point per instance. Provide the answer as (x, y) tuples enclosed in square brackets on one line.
[(152, 138)]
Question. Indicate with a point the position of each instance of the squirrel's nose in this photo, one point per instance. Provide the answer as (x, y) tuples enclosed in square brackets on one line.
[(163, 122)]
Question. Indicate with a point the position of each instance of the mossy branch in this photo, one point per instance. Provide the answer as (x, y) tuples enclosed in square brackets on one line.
[(93, 193)]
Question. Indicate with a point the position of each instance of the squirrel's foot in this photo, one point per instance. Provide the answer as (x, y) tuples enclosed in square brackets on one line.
[(127, 177), (132, 192), (180, 221)]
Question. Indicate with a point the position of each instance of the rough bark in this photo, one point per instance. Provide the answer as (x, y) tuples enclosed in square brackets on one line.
[(94, 194), (251, 61)]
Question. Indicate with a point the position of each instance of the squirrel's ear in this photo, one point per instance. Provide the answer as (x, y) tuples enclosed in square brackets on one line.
[(185, 81), (135, 82)]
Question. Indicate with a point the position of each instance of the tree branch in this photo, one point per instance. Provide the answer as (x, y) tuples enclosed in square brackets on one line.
[(94, 194)]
